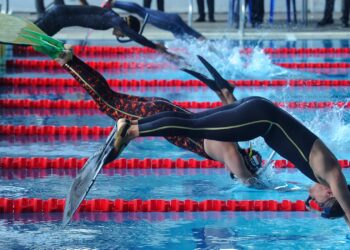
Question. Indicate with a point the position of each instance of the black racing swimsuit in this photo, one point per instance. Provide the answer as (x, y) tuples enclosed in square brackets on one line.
[(243, 120), (166, 21), (93, 17)]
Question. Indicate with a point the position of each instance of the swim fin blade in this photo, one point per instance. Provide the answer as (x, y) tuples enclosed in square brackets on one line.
[(86, 177), (12, 28), (45, 44), (210, 83), (220, 81)]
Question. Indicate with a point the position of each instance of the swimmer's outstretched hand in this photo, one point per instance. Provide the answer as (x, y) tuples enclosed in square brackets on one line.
[(254, 182), (161, 48), (45, 44), (176, 59)]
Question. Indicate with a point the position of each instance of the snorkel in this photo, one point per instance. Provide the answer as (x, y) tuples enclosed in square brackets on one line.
[(119, 39)]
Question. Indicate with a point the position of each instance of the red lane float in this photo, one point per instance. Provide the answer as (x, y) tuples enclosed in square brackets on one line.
[(114, 50), (45, 64), (90, 104), (51, 112), (62, 82), (52, 205), (282, 51), (74, 131), (90, 50), (320, 65), (123, 163)]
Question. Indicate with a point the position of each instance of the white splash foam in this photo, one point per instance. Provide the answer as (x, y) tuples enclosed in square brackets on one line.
[(231, 62)]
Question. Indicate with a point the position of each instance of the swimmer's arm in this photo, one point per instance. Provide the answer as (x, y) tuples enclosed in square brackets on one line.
[(227, 153), (137, 37)]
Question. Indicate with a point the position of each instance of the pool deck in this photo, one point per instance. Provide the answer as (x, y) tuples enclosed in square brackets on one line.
[(278, 30)]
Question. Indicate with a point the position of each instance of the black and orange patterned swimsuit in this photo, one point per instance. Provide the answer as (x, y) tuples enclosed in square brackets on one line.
[(118, 105)]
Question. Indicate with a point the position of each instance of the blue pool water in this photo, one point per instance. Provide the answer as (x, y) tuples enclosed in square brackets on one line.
[(201, 230)]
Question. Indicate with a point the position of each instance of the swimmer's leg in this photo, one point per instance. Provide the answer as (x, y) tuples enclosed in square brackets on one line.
[(118, 105)]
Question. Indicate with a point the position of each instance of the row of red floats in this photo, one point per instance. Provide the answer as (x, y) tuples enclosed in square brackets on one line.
[(22, 130), (53, 65), (90, 104), (82, 104), (123, 163), (44, 64), (90, 50), (114, 50), (63, 82), (320, 65), (34, 205)]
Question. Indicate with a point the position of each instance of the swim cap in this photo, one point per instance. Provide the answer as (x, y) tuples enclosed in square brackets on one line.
[(330, 209), (252, 160), (133, 23)]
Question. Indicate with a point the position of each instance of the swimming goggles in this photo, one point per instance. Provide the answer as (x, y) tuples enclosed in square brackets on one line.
[(323, 209)]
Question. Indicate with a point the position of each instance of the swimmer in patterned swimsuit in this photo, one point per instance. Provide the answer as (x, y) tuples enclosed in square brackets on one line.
[(118, 105)]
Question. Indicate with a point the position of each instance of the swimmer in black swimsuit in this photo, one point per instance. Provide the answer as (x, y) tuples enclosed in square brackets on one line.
[(94, 17), (248, 119), (162, 20)]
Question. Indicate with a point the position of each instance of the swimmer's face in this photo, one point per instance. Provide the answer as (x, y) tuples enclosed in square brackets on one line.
[(320, 193), (118, 33)]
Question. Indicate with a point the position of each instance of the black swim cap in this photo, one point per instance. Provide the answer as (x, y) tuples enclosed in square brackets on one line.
[(133, 23), (331, 209), (252, 160)]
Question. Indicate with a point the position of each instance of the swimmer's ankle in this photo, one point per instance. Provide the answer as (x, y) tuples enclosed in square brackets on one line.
[(228, 96), (64, 57)]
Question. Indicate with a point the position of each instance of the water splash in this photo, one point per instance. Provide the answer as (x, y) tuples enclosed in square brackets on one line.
[(333, 128), (231, 62)]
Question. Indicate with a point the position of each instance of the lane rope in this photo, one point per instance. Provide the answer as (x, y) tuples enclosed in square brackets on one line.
[(53, 65), (123, 163), (90, 104), (115, 50), (52, 205), (63, 82)]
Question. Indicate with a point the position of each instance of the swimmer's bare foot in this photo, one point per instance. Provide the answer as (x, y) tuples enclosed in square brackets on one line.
[(65, 56)]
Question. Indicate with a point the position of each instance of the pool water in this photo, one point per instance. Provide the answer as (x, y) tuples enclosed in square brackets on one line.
[(172, 230)]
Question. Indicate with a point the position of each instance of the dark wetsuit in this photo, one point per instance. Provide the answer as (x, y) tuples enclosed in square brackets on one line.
[(170, 22), (243, 120), (93, 17), (118, 105)]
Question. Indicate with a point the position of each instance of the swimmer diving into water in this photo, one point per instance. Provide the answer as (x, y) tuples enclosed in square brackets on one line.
[(248, 119), (166, 21), (94, 17), (118, 105)]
